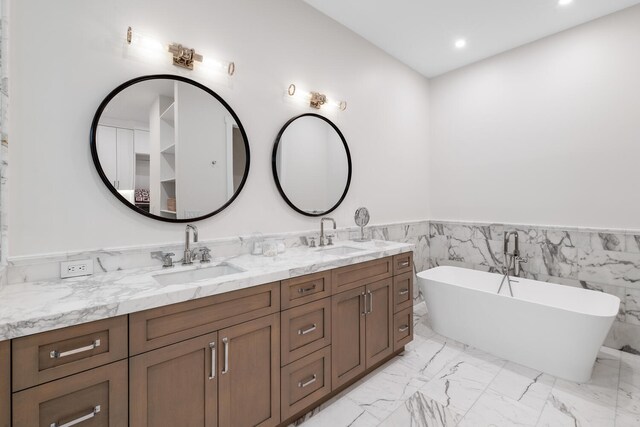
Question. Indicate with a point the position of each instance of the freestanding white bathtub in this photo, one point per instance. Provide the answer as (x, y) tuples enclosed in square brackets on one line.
[(552, 328)]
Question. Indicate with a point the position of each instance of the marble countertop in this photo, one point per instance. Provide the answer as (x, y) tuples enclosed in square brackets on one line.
[(29, 308)]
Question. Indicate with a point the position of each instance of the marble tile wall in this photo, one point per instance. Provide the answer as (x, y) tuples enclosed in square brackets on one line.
[(4, 138), (602, 260)]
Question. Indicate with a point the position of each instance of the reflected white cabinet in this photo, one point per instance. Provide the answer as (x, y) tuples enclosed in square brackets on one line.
[(116, 152)]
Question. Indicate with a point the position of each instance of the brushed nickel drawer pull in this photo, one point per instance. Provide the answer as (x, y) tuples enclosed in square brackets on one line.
[(225, 344), (309, 289), (403, 291), (363, 301), (212, 347), (404, 264), (403, 328), (93, 413), (370, 302), (54, 354), (306, 331), (308, 382)]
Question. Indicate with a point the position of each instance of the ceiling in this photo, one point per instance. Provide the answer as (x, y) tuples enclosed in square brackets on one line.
[(422, 33)]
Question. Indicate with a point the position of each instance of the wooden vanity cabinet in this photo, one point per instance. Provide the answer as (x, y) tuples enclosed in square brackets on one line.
[(5, 386), (259, 356)]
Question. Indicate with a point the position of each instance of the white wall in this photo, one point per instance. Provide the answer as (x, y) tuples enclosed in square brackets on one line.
[(60, 79), (544, 134)]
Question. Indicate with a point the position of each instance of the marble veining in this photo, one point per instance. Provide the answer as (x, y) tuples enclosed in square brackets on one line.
[(601, 260), (31, 307), (443, 383)]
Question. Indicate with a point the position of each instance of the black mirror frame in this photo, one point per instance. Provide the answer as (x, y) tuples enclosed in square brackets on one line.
[(275, 171), (103, 176)]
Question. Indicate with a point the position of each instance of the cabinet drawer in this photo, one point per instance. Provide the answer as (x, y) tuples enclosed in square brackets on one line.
[(305, 329), (96, 398), (48, 356), (403, 263), (305, 381), (402, 292), (162, 326), (354, 276), (403, 328), (301, 290)]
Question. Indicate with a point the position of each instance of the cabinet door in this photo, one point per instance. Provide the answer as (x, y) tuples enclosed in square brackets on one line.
[(379, 319), (175, 385), (125, 158), (5, 388), (106, 147), (249, 367), (348, 336), (94, 398)]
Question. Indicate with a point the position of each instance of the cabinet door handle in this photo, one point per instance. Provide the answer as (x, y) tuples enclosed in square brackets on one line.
[(225, 344), (403, 328), (212, 347), (404, 264), (54, 354), (306, 331), (403, 291), (309, 289), (370, 294), (90, 415), (363, 302), (311, 380)]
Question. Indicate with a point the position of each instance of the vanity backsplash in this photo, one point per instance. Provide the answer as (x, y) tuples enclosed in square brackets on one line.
[(47, 267)]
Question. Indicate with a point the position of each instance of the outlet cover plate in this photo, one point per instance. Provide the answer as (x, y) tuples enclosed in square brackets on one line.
[(81, 267)]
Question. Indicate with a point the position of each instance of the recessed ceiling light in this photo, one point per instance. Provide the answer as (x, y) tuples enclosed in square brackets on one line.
[(460, 43), (564, 2)]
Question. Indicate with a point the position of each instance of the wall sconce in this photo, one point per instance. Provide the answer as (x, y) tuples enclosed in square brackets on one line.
[(182, 56), (316, 99)]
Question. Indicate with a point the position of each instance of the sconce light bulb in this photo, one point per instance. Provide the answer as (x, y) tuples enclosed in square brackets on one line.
[(564, 2)]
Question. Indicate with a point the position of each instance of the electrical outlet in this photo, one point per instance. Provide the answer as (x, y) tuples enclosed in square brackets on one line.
[(83, 267)]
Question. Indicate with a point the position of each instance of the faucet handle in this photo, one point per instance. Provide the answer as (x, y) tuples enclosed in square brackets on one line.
[(329, 240), (312, 242), (167, 260), (205, 255)]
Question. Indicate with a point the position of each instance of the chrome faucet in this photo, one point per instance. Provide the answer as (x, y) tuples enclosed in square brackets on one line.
[(512, 260), (188, 255), (322, 236)]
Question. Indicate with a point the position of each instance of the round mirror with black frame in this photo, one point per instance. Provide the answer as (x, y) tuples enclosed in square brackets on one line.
[(170, 148), (311, 164)]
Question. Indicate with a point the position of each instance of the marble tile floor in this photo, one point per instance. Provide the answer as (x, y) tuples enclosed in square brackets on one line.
[(440, 382)]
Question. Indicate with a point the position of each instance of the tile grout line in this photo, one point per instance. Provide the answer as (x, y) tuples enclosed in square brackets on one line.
[(615, 413), (546, 401), (483, 392)]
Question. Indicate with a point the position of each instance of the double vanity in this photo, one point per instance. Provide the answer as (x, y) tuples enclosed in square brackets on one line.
[(240, 341)]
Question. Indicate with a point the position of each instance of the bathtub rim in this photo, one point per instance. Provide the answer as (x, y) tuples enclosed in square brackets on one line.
[(613, 298)]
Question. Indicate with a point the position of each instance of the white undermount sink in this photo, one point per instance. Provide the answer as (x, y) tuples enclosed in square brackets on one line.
[(341, 250), (189, 276)]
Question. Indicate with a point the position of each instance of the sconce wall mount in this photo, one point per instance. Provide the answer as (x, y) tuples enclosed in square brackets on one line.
[(316, 99)]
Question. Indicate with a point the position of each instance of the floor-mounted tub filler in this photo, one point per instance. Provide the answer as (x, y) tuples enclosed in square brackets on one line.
[(552, 328)]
